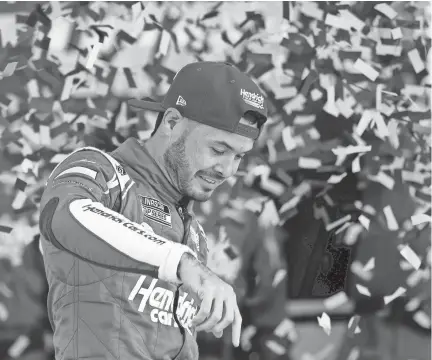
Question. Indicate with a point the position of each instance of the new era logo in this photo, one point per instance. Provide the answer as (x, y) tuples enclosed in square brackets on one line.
[(181, 101)]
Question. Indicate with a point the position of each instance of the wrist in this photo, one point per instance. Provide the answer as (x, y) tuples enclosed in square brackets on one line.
[(186, 260)]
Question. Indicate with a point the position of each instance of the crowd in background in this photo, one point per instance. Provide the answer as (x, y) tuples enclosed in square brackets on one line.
[(334, 201)]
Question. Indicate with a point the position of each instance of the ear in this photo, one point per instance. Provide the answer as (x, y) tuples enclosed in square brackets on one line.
[(171, 119)]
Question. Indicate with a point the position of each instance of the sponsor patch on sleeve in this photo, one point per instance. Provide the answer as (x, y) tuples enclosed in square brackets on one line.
[(156, 210)]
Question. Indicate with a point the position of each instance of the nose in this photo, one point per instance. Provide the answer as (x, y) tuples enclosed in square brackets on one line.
[(227, 167)]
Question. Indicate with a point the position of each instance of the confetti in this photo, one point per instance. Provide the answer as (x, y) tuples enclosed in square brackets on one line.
[(410, 256), (390, 218), (399, 292), (278, 349), (93, 55), (19, 346), (4, 313), (420, 219), (351, 150), (416, 61), (353, 327), (423, 319), (396, 33), (363, 290), (336, 301), (325, 322), (358, 269), (337, 223), (383, 179), (386, 10), (279, 276), (309, 163), (10, 69), (366, 69)]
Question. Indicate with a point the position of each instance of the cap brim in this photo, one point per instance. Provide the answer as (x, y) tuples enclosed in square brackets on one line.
[(146, 105)]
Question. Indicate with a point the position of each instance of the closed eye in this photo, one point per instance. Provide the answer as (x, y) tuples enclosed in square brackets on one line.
[(218, 152)]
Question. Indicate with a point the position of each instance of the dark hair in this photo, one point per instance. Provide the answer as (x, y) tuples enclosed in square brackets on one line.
[(256, 118)]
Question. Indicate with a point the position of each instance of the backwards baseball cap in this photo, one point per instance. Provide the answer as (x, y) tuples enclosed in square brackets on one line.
[(215, 94)]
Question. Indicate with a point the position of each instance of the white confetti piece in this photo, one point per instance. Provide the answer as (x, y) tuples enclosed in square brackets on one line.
[(60, 34), (304, 119), (383, 179), (358, 269), (370, 265), (420, 219), (366, 69), (354, 21), (381, 125), (286, 329), (410, 256), (57, 158), (10, 69), (390, 218), (246, 336), (93, 55), (412, 176), (18, 347), (344, 108), (354, 354), (19, 200), (309, 163), (4, 313), (288, 138), (337, 223), (343, 228), (338, 22), (423, 319), (279, 276), (416, 61), (364, 221), (364, 122), (336, 179), (416, 277), (386, 10), (355, 167), (399, 292), (325, 322), (352, 234), (396, 33), (275, 347), (348, 150), (363, 290), (290, 204), (44, 133), (316, 94), (413, 304), (336, 301)]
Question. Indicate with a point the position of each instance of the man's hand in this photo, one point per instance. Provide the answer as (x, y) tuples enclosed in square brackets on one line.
[(218, 300)]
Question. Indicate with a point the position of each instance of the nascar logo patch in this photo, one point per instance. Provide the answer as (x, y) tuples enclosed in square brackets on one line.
[(156, 210)]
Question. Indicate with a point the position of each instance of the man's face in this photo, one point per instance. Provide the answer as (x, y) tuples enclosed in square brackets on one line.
[(203, 158)]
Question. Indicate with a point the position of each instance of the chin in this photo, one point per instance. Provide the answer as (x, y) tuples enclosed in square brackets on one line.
[(200, 195)]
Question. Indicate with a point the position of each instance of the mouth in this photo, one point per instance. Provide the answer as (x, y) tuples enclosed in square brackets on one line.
[(207, 180)]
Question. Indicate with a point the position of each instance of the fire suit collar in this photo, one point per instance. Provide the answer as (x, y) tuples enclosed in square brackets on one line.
[(135, 154)]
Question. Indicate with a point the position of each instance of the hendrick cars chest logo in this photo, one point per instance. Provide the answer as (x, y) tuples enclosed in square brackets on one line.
[(156, 210)]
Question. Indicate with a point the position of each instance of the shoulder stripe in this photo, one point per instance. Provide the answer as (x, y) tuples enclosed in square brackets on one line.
[(78, 170)]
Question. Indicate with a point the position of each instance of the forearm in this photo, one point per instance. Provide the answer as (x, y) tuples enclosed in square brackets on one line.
[(92, 232)]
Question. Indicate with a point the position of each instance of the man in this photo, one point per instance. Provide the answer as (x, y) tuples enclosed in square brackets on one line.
[(125, 259)]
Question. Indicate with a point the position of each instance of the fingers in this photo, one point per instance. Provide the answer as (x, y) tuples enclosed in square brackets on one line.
[(228, 318), (236, 327), (204, 310), (215, 316)]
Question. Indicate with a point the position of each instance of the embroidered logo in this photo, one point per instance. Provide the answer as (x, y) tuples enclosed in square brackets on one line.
[(156, 210), (181, 101), (252, 99), (120, 170)]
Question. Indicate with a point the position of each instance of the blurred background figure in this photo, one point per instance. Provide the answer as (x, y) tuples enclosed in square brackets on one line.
[(246, 251)]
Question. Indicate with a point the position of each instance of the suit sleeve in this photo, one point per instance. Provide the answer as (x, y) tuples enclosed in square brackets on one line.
[(76, 217)]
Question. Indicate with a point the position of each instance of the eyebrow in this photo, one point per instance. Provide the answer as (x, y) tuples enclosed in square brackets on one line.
[(224, 143)]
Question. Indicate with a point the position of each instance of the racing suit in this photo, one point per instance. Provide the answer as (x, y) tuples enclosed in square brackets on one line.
[(102, 303)]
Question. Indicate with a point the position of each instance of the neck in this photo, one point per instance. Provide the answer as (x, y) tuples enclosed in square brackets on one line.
[(156, 147)]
